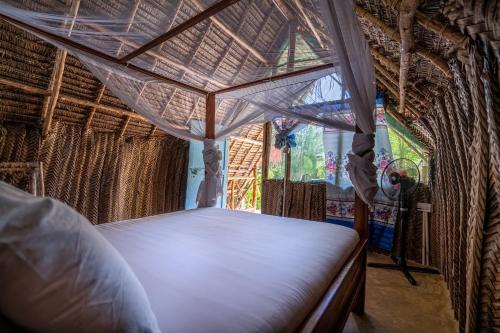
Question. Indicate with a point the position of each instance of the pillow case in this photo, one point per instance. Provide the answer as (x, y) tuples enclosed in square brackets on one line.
[(59, 274)]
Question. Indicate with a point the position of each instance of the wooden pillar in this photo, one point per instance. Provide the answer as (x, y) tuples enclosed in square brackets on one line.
[(360, 212), (361, 226), (232, 194), (254, 193), (266, 150), (210, 117)]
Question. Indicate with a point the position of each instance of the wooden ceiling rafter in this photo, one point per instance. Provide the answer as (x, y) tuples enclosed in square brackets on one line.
[(179, 29), (391, 33), (221, 60), (394, 92), (246, 139), (100, 94), (407, 9), (431, 24), (99, 54), (102, 86), (424, 99), (189, 62), (250, 48), (50, 102), (277, 78), (412, 94), (116, 111), (247, 56)]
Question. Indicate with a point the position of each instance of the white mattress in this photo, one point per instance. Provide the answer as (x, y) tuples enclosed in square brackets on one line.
[(216, 270)]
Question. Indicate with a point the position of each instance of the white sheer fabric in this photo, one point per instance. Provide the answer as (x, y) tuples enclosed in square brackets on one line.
[(320, 32), (211, 187), (357, 70)]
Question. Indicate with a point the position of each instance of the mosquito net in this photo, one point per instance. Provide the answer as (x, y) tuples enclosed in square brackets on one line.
[(162, 57)]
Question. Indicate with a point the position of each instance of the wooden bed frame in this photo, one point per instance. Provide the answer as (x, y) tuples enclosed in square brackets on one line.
[(346, 292)]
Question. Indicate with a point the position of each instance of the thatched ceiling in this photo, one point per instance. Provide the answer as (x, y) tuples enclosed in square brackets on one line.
[(210, 57)]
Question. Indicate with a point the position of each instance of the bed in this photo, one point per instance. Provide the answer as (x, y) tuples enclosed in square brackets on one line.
[(216, 270)]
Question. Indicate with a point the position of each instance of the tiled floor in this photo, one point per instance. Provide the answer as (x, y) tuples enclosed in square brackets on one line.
[(393, 305)]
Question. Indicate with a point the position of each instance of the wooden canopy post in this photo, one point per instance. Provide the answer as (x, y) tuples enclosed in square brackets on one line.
[(254, 188), (266, 145), (210, 117), (361, 226)]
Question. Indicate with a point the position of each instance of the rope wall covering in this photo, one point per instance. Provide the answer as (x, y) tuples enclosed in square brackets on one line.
[(465, 189), (103, 176)]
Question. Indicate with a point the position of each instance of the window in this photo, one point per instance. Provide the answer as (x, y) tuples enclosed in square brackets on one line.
[(308, 157), (277, 160)]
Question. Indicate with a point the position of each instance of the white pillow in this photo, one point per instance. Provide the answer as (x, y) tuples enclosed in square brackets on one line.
[(59, 274)]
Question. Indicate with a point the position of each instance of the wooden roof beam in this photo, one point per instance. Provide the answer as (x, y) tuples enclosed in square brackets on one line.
[(276, 78), (417, 96), (288, 13), (434, 59), (99, 54), (247, 140), (93, 109), (431, 24), (124, 126), (406, 17), (205, 14), (395, 94), (55, 82), (393, 67), (25, 87), (231, 34)]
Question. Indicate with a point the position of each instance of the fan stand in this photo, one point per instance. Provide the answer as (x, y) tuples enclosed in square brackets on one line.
[(400, 262)]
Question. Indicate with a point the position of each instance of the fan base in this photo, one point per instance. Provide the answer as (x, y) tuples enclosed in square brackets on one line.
[(404, 268)]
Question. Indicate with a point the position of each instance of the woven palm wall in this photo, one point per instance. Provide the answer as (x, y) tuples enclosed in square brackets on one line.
[(452, 105), (103, 176), (302, 200)]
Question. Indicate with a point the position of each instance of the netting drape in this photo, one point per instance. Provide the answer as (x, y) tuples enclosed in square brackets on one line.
[(247, 41)]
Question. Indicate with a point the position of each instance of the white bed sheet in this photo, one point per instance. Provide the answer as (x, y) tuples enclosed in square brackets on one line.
[(216, 270)]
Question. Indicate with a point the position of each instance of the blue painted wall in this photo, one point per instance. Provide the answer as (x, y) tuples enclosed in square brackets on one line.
[(196, 172)]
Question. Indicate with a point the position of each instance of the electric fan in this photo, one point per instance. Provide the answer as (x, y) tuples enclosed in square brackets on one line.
[(398, 182)]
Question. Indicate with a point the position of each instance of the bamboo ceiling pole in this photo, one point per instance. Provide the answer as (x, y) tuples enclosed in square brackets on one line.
[(434, 59), (54, 86), (415, 96), (308, 21), (124, 126), (407, 10), (102, 55), (179, 29), (395, 94), (93, 109), (25, 87), (57, 74), (230, 33), (431, 24), (414, 91)]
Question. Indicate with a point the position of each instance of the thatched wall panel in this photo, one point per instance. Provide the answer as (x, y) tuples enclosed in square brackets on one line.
[(104, 177), (302, 200)]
